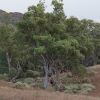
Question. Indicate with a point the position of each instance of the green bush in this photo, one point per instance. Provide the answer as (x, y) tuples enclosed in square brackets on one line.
[(28, 80), (3, 63), (92, 73), (65, 80), (79, 80), (79, 88), (86, 80), (38, 80), (30, 74), (33, 74), (22, 75), (36, 74), (88, 86), (4, 77), (38, 86), (79, 70), (13, 72), (20, 85)]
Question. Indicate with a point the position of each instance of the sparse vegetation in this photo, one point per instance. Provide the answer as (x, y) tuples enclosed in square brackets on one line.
[(28, 80), (79, 88), (33, 74), (92, 73), (38, 85), (65, 80), (13, 72), (4, 77), (38, 80), (20, 85)]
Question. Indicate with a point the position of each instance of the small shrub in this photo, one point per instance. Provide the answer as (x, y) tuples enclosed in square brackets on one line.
[(86, 80), (38, 80), (88, 86), (79, 70), (28, 80), (83, 92), (92, 73), (33, 74), (30, 74), (79, 88), (22, 74), (72, 88), (78, 80), (20, 85), (4, 77), (38, 86), (36, 74), (13, 72), (65, 80)]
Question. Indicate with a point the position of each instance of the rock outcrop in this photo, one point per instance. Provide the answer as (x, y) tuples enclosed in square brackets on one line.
[(15, 16)]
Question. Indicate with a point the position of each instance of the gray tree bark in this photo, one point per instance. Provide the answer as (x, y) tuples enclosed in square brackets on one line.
[(46, 79), (18, 72), (8, 60)]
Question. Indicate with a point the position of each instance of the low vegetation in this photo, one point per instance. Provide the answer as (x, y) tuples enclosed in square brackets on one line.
[(20, 85), (4, 77), (79, 88), (27, 80)]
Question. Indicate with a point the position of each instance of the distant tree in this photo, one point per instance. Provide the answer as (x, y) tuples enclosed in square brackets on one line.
[(79, 30), (10, 45), (3, 63), (6, 18), (92, 31), (5, 40)]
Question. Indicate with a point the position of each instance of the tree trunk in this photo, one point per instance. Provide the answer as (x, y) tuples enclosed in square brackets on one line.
[(46, 79), (58, 82), (8, 60), (59, 85), (18, 72), (95, 57)]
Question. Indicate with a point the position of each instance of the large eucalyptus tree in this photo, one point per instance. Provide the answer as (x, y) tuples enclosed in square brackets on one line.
[(53, 38)]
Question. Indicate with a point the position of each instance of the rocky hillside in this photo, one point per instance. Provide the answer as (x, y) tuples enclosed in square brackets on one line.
[(15, 15)]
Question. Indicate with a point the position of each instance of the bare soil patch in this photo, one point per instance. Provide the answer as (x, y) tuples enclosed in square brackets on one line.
[(95, 80), (96, 83), (5, 84)]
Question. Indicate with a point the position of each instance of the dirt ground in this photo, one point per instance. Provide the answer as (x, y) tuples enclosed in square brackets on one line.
[(95, 81), (9, 93)]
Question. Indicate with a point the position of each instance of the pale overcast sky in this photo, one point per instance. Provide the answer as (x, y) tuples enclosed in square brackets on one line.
[(89, 9)]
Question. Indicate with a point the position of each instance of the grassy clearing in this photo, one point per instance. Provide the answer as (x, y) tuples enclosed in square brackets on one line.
[(17, 94)]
